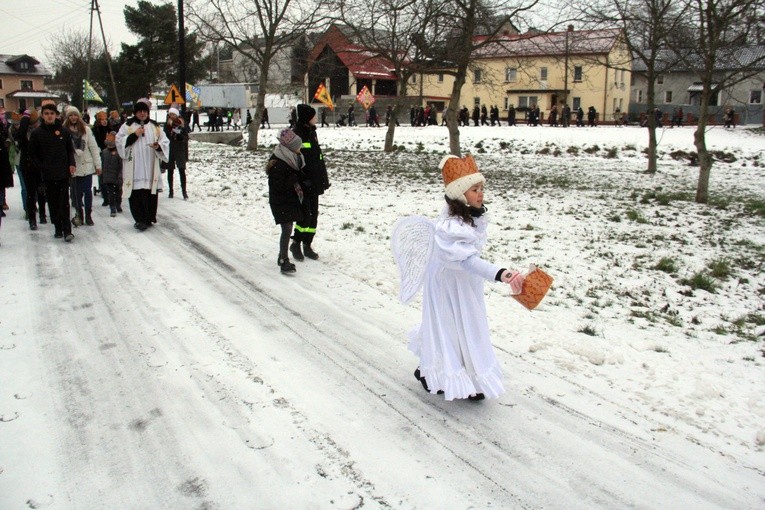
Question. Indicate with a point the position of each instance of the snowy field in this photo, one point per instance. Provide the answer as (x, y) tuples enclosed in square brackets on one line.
[(178, 369)]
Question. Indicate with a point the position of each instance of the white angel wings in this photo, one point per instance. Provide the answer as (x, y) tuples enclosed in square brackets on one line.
[(412, 245)]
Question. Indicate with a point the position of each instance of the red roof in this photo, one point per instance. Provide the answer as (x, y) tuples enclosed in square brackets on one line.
[(359, 61)]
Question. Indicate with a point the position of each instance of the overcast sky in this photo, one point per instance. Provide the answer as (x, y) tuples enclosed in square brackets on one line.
[(28, 24)]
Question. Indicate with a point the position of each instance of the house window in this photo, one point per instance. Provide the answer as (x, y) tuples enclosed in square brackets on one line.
[(578, 74), (543, 73), (511, 74), (1, 84), (26, 85), (577, 103), (440, 77), (755, 97), (527, 101), (414, 78), (476, 101), (23, 66), (667, 96), (639, 94), (660, 79), (477, 76), (507, 102)]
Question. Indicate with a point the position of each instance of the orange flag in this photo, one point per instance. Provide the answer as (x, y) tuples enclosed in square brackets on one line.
[(323, 96)]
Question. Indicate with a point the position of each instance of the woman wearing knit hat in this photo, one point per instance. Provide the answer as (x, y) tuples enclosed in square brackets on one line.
[(315, 184), (285, 194), (178, 134), (88, 158), (444, 258)]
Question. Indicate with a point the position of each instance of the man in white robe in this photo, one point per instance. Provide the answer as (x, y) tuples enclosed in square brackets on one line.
[(142, 144)]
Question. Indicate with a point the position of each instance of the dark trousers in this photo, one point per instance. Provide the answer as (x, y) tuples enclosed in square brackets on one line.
[(57, 193), (170, 174), (35, 194), (82, 192), (143, 206), (305, 229), (113, 193)]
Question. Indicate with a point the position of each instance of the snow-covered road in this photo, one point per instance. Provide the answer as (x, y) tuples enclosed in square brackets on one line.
[(176, 368)]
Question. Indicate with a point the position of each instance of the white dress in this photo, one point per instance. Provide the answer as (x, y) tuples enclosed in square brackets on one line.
[(452, 342)]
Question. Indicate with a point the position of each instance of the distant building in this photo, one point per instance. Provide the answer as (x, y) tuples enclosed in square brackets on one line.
[(22, 82), (575, 67), (679, 86)]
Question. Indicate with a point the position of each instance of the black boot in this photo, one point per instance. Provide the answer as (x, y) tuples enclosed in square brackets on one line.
[(43, 219), (295, 250), (285, 265), (308, 252), (88, 218), (33, 223), (77, 220)]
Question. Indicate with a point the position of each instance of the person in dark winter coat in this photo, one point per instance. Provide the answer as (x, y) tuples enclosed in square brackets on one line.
[(35, 194), (6, 170), (476, 115), (178, 134), (111, 170), (52, 153), (100, 130), (285, 193), (315, 183), (579, 117), (566, 115), (592, 114)]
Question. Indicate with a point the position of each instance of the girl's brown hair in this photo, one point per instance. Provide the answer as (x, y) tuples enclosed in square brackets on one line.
[(460, 210)]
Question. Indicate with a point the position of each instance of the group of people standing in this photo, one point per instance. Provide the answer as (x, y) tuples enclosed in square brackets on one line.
[(59, 154)]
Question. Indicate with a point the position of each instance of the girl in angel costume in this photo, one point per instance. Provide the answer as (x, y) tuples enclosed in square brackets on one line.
[(443, 257)]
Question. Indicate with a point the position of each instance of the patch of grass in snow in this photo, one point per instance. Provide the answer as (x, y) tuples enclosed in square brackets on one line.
[(666, 264), (612, 153), (588, 330), (701, 281), (592, 150), (755, 206), (720, 268), (573, 150), (346, 226), (636, 216)]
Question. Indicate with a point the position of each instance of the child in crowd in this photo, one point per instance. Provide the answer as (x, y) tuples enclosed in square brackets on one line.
[(111, 163), (285, 193), (444, 257)]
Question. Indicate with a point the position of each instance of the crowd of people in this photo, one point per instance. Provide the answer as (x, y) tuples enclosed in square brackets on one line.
[(56, 154)]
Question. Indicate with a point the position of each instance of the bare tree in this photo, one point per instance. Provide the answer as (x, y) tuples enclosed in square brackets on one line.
[(452, 45), (258, 30), (67, 53), (388, 30), (649, 27), (716, 48)]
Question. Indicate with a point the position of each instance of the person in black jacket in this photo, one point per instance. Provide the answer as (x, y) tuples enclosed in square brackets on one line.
[(177, 132), (52, 153), (285, 194), (315, 183), (35, 194)]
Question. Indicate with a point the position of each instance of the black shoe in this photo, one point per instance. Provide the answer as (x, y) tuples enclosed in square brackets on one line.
[(89, 219), (33, 226), (185, 196), (421, 379), (285, 265), (43, 220), (113, 214), (119, 208), (296, 252), (58, 235), (476, 397), (141, 226), (105, 203), (308, 252), (69, 237), (170, 195)]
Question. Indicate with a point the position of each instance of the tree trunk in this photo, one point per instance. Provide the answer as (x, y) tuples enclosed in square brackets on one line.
[(451, 112), (651, 145), (252, 143), (391, 132), (705, 159)]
